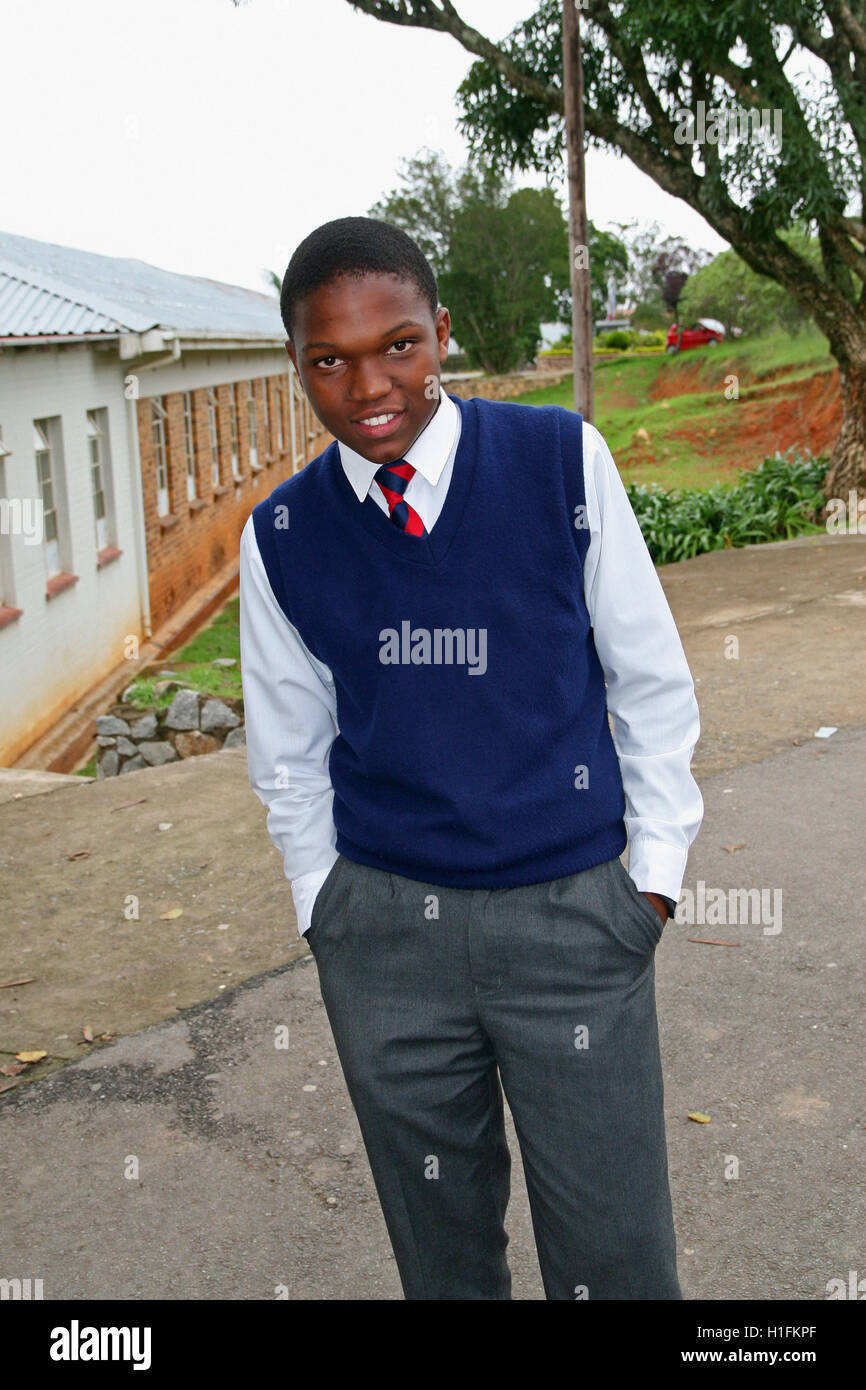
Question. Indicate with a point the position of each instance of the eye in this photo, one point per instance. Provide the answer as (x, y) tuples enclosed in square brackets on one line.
[(325, 361), (404, 342)]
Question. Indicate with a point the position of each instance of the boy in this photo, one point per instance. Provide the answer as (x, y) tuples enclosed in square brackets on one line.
[(429, 612)]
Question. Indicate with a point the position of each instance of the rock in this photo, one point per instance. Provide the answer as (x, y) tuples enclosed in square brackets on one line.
[(224, 661), (191, 745), (160, 687), (126, 748), (133, 764), (183, 711), (157, 753), (236, 739), (127, 694), (110, 724), (108, 763), (144, 727), (216, 715), (106, 741)]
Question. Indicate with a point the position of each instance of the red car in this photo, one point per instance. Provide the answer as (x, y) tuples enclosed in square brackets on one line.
[(704, 333)]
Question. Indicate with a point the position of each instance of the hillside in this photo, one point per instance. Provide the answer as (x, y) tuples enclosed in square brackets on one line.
[(788, 395)]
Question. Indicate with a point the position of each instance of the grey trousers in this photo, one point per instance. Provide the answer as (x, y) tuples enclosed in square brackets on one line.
[(436, 994)]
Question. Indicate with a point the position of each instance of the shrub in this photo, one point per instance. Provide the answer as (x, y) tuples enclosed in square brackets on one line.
[(617, 340), (775, 501)]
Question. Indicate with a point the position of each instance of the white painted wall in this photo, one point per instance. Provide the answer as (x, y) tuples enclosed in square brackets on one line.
[(59, 648)]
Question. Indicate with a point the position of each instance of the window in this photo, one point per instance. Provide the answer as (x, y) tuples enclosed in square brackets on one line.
[(189, 445), (213, 430), (251, 421), (159, 418), (97, 477), (8, 524), (280, 391), (46, 482), (269, 443), (233, 416)]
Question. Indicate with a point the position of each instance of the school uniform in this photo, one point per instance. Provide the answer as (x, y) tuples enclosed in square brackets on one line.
[(430, 652)]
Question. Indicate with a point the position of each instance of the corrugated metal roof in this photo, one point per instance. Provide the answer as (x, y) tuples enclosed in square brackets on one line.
[(47, 289)]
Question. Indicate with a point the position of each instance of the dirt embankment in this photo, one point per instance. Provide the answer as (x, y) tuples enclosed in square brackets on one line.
[(773, 413)]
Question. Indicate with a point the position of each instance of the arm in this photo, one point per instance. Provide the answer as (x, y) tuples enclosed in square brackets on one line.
[(650, 692), (291, 722)]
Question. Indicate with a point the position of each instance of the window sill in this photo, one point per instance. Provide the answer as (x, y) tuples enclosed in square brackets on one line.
[(196, 504), (170, 519), (8, 615), (220, 491), (106, 555), (58, 582)]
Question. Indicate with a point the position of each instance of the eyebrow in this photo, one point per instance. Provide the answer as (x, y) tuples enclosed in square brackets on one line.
[(406, 323)]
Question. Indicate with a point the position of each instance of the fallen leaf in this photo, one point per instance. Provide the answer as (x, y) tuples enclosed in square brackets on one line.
[(106, 1036), (26, 980), (87, 1033), (172, 912), (710, 941), (79, 854), (732, 849), (13, 1068), (699, 1117), (31, 1056)]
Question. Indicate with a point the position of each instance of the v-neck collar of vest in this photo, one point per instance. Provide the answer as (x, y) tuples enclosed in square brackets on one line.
[(432, 547)]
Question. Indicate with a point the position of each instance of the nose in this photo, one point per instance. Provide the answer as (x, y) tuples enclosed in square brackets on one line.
[(369, 381)]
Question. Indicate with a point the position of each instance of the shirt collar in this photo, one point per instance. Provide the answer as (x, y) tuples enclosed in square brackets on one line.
[(428, 454)]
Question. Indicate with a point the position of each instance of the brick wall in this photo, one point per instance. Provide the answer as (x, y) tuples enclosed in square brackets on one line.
[(198, 537)]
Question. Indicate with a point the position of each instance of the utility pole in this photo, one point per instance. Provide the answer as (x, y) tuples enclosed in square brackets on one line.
[(578, 235)]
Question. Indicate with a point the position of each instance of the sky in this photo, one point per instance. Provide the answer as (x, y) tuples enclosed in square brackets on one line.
[(210, 139)]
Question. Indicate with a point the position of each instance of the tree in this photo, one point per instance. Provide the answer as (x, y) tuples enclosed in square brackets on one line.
[(672, 265), (715, 102), (500, 254), (729, 290)]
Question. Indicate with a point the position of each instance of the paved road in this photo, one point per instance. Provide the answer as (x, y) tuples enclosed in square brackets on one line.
[(250, 1169)]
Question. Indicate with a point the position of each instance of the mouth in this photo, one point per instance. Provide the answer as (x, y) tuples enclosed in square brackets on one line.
[(381, 425)]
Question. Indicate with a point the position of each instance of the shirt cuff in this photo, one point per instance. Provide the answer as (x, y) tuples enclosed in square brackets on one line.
[(656, 866), (305, 890)]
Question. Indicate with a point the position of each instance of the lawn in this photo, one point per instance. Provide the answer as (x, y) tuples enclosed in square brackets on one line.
[(699, 431)]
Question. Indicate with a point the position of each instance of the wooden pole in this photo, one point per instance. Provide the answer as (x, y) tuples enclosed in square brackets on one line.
[(578, 235)]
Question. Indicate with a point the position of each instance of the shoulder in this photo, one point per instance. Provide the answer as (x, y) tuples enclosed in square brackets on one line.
[(294, 489)]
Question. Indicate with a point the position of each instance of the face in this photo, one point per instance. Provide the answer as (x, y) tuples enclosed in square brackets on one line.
[(368, 347)]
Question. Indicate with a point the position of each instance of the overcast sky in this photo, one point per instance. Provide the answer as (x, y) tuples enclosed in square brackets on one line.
[(210, 140)]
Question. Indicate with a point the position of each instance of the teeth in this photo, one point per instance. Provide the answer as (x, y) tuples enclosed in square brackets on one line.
[(379, 419)]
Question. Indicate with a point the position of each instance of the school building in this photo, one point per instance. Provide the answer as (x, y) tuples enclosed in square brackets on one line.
[(142, 416)]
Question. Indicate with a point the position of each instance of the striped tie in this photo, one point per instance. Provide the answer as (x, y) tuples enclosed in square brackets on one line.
[(393, 479)]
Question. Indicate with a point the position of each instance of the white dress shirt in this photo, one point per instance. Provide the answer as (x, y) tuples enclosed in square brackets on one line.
[(290, 706)]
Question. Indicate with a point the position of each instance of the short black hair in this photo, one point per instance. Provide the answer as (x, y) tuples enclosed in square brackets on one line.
[(354, 246)]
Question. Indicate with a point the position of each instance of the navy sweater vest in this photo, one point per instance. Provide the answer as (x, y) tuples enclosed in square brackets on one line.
[(473, 748)]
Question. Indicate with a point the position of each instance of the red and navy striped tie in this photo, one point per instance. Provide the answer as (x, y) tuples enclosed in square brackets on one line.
[(393, 479)]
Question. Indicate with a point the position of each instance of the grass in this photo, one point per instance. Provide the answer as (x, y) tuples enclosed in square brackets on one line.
[(681, 403)]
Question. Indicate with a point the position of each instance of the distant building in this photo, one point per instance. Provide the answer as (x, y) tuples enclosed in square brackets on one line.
[(142, 416)]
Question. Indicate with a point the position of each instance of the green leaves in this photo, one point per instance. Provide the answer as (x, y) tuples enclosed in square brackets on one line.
[(776, 501)]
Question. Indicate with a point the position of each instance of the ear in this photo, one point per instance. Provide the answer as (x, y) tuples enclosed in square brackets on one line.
[(443, 332)]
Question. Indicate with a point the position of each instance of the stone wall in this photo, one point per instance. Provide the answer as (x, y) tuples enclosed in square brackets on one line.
[(130, 739), (501, 388)]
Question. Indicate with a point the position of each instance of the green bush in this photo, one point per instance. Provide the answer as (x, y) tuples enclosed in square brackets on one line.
[(779, 499), (618, 340)]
